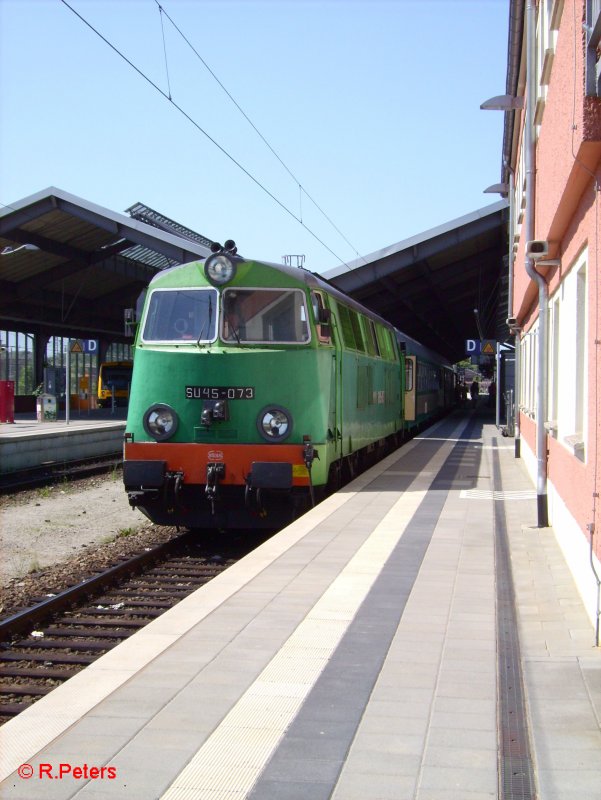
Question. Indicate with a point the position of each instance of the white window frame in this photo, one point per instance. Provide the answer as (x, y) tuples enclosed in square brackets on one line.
[(572, 416)]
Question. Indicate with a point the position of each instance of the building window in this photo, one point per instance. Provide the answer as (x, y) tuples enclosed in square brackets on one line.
[(549, 14), (529, 346), (569, 365), (580, 347), (533, 379), (592, 28), (17, 360), (554, 376)]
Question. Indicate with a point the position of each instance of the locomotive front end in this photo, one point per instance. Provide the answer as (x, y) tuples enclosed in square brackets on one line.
[(225, 408)]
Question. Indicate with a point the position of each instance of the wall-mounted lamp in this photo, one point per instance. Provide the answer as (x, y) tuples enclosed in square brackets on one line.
[(7, 251), (498, 188), (503, 102)]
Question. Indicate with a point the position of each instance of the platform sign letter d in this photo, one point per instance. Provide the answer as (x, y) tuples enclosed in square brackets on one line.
[(472, 347)]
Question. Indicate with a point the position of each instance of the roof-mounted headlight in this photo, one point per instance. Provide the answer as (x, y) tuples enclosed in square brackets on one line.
[(219, 269)]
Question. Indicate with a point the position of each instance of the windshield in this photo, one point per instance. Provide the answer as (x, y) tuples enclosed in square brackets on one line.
[(264, 316), (176, 315), (119, 377)]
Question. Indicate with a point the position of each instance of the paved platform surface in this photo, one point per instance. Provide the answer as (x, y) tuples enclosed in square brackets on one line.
[(27, 444), (27, 424), (414, 636)]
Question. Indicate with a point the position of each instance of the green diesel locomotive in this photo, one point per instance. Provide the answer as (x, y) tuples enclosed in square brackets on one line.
[(256, 387)]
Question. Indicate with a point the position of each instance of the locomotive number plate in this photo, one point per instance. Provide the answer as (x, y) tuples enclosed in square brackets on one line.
[(220, 392)]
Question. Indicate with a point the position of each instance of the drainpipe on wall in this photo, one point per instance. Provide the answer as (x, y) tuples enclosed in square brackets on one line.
[(514, 329), (543, 289), (510, 253)]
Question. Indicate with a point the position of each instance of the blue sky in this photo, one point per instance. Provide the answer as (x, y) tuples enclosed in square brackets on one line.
[(372, 106)]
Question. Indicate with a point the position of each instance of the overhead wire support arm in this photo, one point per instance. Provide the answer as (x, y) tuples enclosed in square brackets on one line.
[(165, 49)]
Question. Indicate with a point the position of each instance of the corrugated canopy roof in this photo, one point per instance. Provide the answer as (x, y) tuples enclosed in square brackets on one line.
[(429, 285), (91, 264)]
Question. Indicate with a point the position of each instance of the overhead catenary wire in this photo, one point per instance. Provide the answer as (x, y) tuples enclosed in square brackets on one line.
[(190, 119), (302, 189), (489, 307)]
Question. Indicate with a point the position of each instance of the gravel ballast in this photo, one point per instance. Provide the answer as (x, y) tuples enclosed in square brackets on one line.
[(57, 536)]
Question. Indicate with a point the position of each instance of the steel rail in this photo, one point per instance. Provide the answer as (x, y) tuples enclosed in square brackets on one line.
[(23, 620)]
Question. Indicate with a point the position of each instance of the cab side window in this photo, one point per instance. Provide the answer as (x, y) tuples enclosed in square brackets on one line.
[(322, 316)]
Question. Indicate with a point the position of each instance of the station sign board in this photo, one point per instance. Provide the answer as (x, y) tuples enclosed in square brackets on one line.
[(480, 347), (84, 346)]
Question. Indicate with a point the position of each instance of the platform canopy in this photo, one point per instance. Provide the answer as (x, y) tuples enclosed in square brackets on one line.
[(69, 267), (441, 287)]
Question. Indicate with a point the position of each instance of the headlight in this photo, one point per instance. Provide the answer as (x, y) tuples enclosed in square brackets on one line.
[(219, 269), (274, 423), (160, 422)]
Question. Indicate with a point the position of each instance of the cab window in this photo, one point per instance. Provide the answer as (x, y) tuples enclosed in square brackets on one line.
[(179, 315), (264, 316), (321, 315)]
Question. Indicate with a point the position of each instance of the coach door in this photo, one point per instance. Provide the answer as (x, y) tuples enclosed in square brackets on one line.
[(410, 388)]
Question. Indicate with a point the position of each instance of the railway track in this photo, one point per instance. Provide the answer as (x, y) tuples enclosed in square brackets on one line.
[(58, 471), (45, 645)]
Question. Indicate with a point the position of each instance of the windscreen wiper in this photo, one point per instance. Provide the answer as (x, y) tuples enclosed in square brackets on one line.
[(208, 323)]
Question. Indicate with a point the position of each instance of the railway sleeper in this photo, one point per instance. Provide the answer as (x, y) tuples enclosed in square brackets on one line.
[(14, 709), (37, 672), (151, 604), (26, 689), (103, 622), (103, 613), (78, 659), (160, 588), (85, 633), (186, 572), (164, 583), (61, 644)]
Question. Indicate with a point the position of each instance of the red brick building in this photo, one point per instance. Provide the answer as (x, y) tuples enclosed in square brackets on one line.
[(551, 173)]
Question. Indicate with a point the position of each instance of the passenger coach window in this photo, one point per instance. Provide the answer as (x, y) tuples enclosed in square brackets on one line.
[(347, 329), (176, 315), (408, 376), (372, 340), (386, 343), (358, 333), (264, 316)]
